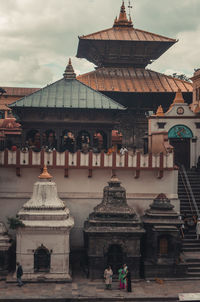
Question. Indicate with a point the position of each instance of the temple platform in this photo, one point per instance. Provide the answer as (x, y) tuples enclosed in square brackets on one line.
[(82, 289)]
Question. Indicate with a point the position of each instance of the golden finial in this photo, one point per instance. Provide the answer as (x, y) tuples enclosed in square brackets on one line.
[(178, 97), (45, 174), (159, 111), (123, 20)]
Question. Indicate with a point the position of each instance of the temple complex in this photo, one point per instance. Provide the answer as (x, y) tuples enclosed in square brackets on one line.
[(88, 129), (121, 54)]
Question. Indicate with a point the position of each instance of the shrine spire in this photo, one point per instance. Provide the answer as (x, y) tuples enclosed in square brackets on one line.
[(69, 71), (123, 21)]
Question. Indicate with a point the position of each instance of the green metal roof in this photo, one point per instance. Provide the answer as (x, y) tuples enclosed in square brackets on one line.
[(67, 93)]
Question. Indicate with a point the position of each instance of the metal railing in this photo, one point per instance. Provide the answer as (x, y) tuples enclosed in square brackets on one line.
[(188, 189)]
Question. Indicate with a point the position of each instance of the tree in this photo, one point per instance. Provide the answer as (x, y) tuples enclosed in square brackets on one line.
[(181, 76)]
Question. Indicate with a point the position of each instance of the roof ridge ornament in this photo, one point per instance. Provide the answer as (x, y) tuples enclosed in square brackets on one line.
[(178, 98), (160, 111), (69, 71), (123, 21)]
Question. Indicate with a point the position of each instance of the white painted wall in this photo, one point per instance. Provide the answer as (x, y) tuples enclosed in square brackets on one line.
[(82, 194)]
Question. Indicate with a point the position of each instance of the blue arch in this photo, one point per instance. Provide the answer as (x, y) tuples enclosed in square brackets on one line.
[(180, 131)]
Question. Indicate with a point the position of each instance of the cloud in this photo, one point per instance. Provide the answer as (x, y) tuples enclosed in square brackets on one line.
[(183, 56), (37, 37)]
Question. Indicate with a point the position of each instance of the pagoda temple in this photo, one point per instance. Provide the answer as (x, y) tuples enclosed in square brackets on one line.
[(121, 54)]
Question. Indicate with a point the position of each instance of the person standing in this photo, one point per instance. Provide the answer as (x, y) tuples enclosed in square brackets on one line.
[(19, 274), (128, 279), (122, 277), (198, 228), (108, 273)]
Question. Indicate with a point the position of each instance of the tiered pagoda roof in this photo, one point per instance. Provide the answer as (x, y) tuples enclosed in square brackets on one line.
[(69, 93), (130, 79), (123, 45)]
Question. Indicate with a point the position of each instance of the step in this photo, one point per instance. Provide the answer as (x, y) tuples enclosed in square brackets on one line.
[(188, 240), (190, 246), (191, 249), (193, 269), (193, 264)]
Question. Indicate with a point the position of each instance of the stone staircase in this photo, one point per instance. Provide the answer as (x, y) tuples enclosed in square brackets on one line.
[(191, 246)]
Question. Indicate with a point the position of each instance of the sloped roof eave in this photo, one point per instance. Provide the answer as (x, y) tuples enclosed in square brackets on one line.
[(67, 94)]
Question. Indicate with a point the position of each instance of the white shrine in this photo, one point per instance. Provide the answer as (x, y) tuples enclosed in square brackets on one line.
[(43, 242)]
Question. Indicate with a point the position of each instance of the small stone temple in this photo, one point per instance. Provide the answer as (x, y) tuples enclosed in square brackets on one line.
[(162, 241), (43, 243), (4, 247), (113, 233)]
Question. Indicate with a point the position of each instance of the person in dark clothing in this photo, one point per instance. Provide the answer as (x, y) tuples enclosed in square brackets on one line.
[(128, 279), (19, 274)]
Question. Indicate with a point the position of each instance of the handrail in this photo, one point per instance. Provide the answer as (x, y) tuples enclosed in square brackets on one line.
[(186, 190), (190, 190)]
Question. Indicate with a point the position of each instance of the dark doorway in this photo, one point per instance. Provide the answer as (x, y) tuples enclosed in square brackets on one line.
[(115, 257), (42, 260), (181, 151)]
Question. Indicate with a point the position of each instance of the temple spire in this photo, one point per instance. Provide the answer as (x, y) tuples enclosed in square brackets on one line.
[(178, 98), (123, 21), (159, 111), (69, 71)]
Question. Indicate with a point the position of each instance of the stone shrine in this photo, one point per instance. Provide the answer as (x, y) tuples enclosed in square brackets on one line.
[(4, 247), (43, 243), (113, 233), (162, 241)]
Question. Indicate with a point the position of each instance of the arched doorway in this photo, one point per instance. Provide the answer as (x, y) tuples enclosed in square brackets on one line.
[(180, 137), (115, 257), (42, 259)]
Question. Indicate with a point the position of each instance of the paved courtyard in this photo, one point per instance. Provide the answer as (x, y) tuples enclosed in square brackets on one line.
[(83, 288)]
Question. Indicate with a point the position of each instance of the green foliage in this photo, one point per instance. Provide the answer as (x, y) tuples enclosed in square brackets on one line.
[(181, 77), (14, 222)]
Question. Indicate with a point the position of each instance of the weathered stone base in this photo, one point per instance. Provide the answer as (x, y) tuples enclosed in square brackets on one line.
[(46, 277), (153, 270)]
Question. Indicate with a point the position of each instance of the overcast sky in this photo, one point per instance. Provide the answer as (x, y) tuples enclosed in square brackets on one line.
[(38, 36)]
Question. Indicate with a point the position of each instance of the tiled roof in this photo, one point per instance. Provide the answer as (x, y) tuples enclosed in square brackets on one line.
[(4, 107), (132, 80), (67, 93), (19, 91), (126, 34)]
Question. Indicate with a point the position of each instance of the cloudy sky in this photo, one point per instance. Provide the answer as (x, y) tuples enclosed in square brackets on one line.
[(38, 36)]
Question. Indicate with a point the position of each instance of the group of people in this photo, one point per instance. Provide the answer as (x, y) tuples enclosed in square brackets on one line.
[(190, 223), (124, 278)]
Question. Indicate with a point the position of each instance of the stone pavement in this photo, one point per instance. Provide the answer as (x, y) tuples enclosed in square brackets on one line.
[(86, 290)]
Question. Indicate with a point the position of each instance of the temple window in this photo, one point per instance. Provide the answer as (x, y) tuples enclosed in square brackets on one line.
[(99, 141), (68, 141), (83, 141), (161, 125), (42, 259), (33, 140), (163, 246), (51, 139)]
